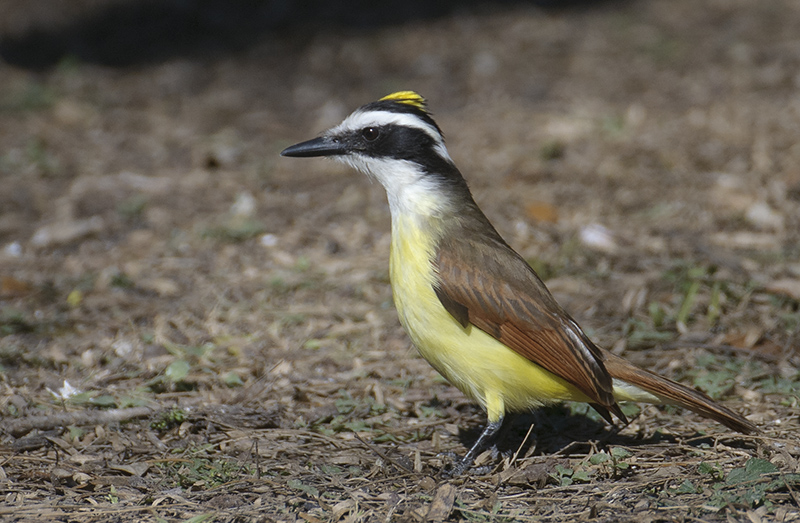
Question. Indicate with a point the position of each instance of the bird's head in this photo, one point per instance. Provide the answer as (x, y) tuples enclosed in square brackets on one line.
[(394, 140)]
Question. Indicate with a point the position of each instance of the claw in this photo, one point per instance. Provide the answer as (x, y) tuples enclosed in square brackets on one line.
[(486, 438)]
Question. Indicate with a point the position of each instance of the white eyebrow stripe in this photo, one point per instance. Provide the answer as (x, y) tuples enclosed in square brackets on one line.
[(361, 119)]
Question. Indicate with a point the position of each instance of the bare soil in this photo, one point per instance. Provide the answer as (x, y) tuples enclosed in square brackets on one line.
[(193, 328)]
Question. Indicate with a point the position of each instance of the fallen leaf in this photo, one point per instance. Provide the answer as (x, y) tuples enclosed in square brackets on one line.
[(13, 288), (442, 503), (542, 212)]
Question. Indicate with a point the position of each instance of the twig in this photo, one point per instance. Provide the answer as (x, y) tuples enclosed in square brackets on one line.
[(791, 491), (528, 435), (20, 427), (383, 456)]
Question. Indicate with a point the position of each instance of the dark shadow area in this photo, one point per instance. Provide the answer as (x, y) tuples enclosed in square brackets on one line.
[(555, 428), (150, 31)]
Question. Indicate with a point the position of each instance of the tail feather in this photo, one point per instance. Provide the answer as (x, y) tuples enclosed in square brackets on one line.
[(673, 393)]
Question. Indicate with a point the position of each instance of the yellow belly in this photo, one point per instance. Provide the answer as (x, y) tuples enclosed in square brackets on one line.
[(480, 366)]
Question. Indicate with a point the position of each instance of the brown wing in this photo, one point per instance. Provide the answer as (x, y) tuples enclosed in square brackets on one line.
[(482, 281)]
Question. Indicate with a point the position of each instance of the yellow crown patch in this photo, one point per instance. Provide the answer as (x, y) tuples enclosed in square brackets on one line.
[(406, 97)]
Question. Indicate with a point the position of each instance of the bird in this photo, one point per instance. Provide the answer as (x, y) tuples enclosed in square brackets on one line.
[(471, 305)]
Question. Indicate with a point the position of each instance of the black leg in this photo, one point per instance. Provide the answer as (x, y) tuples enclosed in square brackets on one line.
[(486, 438)]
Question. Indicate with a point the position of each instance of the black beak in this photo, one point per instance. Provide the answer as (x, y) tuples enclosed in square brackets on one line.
[(322, 146)]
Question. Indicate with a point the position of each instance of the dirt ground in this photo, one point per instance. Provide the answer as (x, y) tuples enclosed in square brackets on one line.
[(193, 328)]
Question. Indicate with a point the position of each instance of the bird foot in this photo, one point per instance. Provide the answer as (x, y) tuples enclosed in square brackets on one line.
[(465, 463)]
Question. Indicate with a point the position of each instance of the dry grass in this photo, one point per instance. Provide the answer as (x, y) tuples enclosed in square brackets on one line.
[(226, 316)]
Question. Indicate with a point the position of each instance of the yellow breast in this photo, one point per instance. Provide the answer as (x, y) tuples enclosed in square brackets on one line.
[(481, 367)]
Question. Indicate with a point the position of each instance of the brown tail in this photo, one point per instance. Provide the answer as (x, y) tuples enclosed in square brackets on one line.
[(672, 393)]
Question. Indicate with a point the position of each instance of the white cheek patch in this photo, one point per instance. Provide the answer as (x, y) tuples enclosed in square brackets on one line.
[(409, 190), (393, 174)]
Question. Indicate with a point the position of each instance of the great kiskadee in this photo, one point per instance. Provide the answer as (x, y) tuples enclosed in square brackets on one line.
[(472, 306)]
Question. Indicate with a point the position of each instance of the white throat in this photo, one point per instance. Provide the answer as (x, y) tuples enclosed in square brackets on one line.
[(411, 192)]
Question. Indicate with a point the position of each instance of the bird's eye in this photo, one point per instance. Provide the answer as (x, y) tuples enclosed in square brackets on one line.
[(370, 133)]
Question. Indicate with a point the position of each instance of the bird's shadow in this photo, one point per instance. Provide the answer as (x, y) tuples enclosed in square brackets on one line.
[(558, 429)]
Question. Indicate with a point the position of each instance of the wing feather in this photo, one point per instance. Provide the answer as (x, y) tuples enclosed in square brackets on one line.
[(498, 292)]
